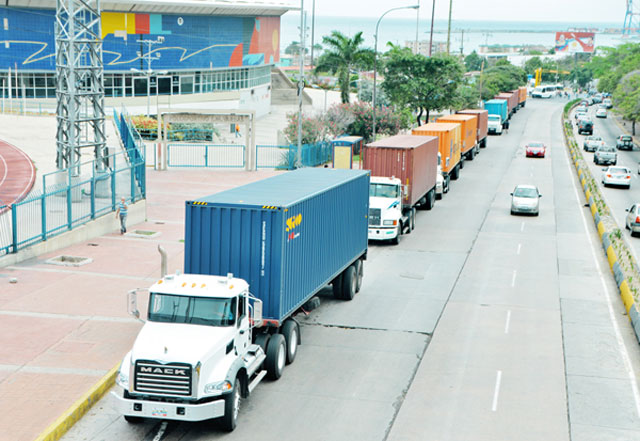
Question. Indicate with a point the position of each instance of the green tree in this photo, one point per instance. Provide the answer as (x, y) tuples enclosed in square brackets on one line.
[(294, 48), (627, 98), (613, 64), (466, 97), (342, 55), (419, 82), (473, 61), (501, 78)]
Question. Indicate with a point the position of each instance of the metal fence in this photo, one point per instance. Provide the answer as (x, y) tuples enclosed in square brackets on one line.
[(72, 197), (205, 155), (27, 106)]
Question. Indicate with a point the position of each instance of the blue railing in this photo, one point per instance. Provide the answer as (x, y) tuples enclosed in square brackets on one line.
[(69, 199), (134, 146)]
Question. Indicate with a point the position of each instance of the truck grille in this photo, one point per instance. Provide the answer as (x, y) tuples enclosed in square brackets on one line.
[(374, 216), (152, 377)]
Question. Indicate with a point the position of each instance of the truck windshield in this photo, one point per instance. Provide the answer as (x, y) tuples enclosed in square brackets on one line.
[(384, 191), (171, 308)]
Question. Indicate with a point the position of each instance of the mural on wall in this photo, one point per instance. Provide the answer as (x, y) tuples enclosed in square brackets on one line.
[(188, 41)]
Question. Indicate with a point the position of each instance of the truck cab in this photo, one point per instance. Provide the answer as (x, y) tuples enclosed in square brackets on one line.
[(195, 357), (495, 124), (386, 219)]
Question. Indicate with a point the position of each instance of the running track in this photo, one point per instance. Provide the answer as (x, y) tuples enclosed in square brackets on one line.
[(17, 174)]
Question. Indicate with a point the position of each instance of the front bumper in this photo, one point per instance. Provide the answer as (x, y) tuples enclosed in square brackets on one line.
[(439, 187), (523, 209), (495, 130), (381, 233), (169, 411)]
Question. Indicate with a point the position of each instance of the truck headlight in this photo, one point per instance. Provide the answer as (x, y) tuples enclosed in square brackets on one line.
[(390, 222), (220, 386), (122, 380)]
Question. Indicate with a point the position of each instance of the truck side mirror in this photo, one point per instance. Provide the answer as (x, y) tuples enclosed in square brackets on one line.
[(257, 312), (132, 303)]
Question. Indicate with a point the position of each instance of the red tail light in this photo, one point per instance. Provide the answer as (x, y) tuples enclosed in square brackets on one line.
[(608, 175), (637, 219)]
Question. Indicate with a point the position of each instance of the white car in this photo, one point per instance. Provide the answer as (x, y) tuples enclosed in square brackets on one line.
[(580, 113), (616, 175), (601, 113), (632, 220), (591, 143), (525, 199)]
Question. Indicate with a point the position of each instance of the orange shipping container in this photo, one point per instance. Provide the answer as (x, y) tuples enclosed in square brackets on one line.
[(468, 132), (448, 145), (483, 122), (522, 90)]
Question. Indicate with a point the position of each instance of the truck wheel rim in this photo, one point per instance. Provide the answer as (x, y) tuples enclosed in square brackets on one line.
[(282, 356), (293, 341)]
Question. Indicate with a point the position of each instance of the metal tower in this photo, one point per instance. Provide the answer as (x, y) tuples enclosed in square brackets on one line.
[(631, 19), (79, 89)]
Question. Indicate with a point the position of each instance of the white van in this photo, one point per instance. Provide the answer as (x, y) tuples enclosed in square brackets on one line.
[(544, 91)]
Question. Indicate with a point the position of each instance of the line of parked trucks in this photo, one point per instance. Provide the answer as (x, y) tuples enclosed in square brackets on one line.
[(257, 254)]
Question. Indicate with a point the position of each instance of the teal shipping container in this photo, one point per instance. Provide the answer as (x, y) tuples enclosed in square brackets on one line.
[(288, 236)]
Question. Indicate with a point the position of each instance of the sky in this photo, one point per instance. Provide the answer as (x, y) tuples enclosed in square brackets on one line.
[(503, 10)]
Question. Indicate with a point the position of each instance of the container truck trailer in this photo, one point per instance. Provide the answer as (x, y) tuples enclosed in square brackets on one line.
[(468, 132), (404, 171), (253, 256), (497, 118), (449, 135), (512, 102), (483, 120), (522, 96)]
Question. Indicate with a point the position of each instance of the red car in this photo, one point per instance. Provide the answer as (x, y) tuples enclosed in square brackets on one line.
[(535, 149)]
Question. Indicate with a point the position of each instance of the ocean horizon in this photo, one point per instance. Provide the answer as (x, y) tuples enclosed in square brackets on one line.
[(466, 35)]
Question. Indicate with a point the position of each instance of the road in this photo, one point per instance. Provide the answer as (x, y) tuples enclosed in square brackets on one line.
[(478, 326)]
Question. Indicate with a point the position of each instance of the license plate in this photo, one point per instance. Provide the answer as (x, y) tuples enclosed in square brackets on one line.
[(159, 413)]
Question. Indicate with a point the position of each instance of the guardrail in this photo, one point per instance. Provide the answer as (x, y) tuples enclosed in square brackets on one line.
[(621, 262)]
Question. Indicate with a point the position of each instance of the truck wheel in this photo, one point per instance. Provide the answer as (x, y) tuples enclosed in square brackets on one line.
[(291, 332), (445, 189), (276, 356), (456, 172), (461, 163), (337, 287), (262, 340), (431, 199), (412, 225), (359, 274), (349, 282), (232, 407)]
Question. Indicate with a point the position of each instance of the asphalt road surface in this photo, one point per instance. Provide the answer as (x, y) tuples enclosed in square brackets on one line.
[(478, 326)]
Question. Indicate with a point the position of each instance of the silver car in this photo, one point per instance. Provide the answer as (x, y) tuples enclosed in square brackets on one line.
[(632, 220), (619, 176), (605, 154), (591, 143), (525, 199)]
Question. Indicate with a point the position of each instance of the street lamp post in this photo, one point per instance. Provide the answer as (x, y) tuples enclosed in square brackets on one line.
[(375, 62)]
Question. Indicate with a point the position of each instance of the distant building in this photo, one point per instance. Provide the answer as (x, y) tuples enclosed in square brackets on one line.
[(485, 49), (423, 46)]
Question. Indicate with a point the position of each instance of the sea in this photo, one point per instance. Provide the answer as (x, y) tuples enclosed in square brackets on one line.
[(466, 36)]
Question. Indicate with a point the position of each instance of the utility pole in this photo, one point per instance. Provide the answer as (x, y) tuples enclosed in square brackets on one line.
[(313, 28), (462, 43), (449, 27), (417, 25), (433, 13), (300, 85)]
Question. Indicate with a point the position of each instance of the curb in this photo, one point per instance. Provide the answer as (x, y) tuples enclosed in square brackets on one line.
[(620, 278), (72, 415)]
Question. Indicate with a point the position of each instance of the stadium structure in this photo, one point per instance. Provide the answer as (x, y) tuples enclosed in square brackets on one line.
[(193, 50)]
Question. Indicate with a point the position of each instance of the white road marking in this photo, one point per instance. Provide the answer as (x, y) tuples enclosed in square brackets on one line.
[(496, 392), (513, 279), (519, 248), (6, 169), (522, 226), (506, 325), (160, 434), (621, 346)]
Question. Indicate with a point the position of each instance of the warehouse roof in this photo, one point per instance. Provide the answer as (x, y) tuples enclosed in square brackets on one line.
[(194, 7)]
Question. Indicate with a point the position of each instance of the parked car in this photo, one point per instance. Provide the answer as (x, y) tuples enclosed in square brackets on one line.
[(585, 126), (605, 154), (618, 176), (525, 199), (632, 220), (601, 113), (624, 142), (591, 143), (535, 149)]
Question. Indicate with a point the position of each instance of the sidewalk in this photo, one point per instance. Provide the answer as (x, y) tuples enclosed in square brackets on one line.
[(63, 328)]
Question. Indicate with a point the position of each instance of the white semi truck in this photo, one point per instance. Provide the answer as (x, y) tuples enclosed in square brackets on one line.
[(210, 337)]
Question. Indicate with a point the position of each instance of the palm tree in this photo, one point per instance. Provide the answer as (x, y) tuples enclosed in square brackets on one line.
[(342, 55)]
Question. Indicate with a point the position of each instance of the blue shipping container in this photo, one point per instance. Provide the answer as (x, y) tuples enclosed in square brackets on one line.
[(288, 236), (497, 107)]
